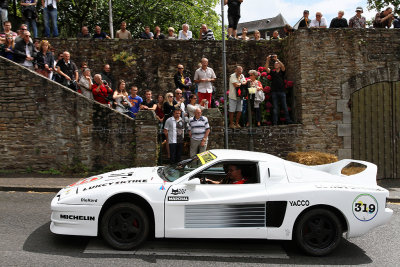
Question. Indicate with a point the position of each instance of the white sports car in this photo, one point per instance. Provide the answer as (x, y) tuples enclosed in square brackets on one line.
[(275, 199)]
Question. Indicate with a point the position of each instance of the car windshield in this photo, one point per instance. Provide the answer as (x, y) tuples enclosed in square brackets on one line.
[(177, 170)]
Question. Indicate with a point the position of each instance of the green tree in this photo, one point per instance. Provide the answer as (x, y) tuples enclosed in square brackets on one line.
[(73, 14), (381, 4)]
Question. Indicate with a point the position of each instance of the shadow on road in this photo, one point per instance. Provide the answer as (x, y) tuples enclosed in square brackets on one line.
[(44, 242)]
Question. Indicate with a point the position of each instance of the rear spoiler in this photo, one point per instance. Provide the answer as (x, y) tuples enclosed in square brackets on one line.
[(366, 177)]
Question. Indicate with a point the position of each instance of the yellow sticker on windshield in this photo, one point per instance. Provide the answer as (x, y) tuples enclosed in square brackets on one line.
[(206, 157)]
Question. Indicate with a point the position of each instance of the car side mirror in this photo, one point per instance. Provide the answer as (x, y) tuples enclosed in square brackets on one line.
[(194, 181)]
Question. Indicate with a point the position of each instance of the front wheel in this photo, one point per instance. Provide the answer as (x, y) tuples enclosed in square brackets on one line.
[(125, 226), (318, 232)]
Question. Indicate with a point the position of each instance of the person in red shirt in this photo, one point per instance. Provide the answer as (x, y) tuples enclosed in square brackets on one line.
[(233, 176), (101, 90)]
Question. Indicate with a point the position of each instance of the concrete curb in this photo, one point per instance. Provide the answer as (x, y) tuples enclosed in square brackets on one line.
[(30, 189)]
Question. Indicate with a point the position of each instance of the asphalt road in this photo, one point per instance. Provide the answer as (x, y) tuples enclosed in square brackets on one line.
[(25, 239)]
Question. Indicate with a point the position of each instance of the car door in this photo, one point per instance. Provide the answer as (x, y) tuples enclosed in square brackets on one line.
[(194, 210)]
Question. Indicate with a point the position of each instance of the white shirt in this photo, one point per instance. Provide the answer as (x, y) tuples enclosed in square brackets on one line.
[(192, 108), (200, 74), (181, 36), (316, 24), (232, 89), (27, 63), (50, 2), (173, 131)]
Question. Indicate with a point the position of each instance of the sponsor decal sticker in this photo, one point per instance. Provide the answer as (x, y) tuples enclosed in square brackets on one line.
[(162, 187), (180, 198), (365, 207), (88, 200), (178, 192), (300, 203), (115, 183), (84, 181), (77, 217), (206, 157)]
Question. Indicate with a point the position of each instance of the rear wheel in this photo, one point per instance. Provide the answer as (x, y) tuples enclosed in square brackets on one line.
[(318, 232), (125, 226)]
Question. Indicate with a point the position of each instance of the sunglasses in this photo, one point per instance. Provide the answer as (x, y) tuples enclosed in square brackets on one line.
[(180, 68)]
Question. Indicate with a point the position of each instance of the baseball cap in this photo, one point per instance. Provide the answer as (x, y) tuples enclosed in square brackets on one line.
[(359, 9)]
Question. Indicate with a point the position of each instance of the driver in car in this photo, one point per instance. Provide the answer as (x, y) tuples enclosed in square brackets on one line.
[(233, 176)]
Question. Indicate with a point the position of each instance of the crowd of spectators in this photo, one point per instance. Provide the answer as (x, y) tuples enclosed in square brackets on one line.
[(383, 19)]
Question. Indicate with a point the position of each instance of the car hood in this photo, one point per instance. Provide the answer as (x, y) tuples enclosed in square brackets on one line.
[(131, 175)]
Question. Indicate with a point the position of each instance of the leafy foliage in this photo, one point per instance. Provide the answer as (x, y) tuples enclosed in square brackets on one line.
[(73, 14), (381, 4)]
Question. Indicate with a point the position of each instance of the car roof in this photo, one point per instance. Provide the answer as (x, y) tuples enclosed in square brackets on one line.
[(233, 154)]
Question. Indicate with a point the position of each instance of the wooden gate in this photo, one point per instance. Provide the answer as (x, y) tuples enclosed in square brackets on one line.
[(375, 131)]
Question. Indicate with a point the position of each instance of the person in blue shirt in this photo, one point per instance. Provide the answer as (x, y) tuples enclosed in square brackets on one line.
[(135, 101)]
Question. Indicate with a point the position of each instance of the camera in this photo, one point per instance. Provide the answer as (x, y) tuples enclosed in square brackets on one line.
[(105, 82)]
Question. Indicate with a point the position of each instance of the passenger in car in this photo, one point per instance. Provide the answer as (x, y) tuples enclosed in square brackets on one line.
[(233, 176)]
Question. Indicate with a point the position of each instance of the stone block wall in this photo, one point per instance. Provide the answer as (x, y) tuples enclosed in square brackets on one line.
[(327, 65), (44, 125), (279, 140)]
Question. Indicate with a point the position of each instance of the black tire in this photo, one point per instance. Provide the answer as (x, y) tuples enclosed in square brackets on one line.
[(125, 226), (318, 232)]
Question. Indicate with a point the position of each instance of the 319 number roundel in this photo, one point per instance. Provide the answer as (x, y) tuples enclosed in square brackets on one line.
[(365, 207)]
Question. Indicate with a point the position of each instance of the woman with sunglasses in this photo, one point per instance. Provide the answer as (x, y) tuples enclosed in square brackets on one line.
[(192, 106), (168, 106), (7, 49)]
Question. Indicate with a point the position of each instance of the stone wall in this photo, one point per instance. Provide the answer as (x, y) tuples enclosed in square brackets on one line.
[(44, 125), (327, 65)]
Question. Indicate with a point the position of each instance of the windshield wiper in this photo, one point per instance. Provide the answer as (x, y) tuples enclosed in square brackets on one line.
[(161, 173)]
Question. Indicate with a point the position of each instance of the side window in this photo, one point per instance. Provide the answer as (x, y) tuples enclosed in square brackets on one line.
[(231, 172)]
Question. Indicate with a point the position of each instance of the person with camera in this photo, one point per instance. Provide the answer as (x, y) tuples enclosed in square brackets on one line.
[(174, 133), (4, 11), (101, 91), (50, 11), (236, 81), (277, 88), (107, 75), (30, 15), (384, 19), (121, 98), (68, 71)]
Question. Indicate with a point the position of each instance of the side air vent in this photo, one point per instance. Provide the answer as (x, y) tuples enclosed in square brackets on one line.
[(225, 216)]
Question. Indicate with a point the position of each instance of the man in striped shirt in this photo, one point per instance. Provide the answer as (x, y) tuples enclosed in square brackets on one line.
[(199, 129), (206, 34)]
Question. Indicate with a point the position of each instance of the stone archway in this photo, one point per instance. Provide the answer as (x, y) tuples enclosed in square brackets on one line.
[(389, 74)]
